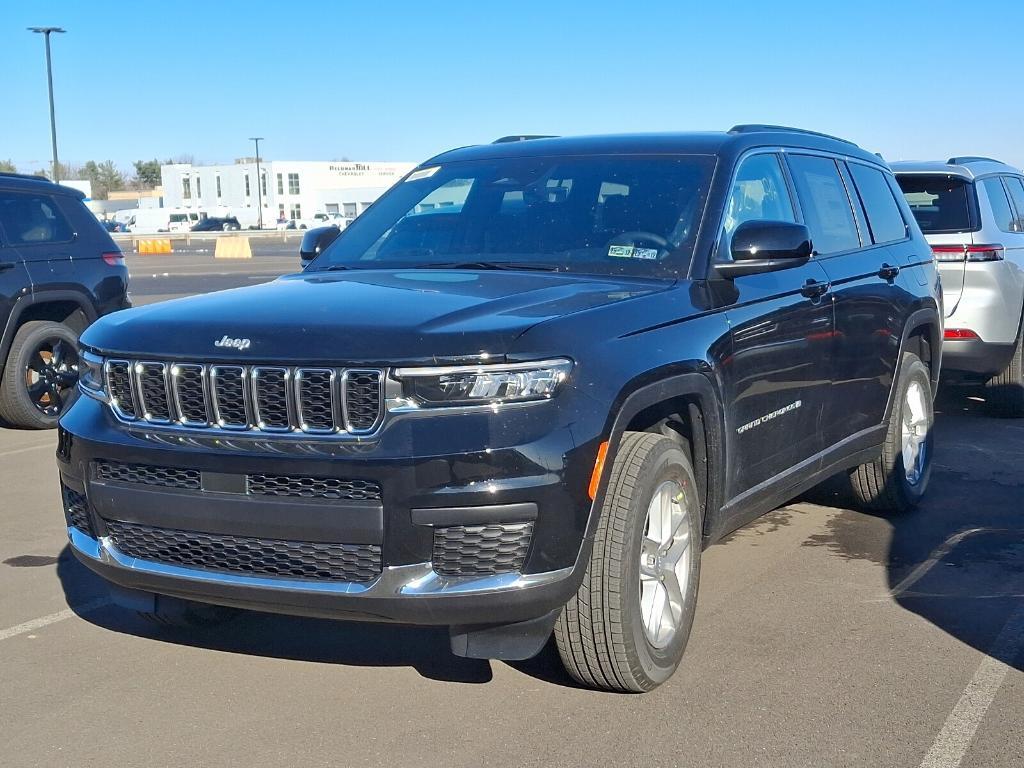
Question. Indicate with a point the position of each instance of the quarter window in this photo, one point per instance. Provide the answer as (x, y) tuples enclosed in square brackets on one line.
[(758, 194), (1000, 205), (883, 212), (825, 204), (1016, 187), (31, 219), (293, 183)]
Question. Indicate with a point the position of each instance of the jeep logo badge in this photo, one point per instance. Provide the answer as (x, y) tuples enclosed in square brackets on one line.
[(238, 344)]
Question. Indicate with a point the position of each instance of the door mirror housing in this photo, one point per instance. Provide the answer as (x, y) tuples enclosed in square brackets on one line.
[(315, 241), (766, 246)]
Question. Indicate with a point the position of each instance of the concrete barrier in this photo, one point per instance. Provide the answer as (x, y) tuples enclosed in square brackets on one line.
[(154, 246), (236, 247)]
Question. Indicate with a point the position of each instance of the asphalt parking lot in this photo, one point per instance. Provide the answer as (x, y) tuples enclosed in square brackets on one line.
[(824, 637)]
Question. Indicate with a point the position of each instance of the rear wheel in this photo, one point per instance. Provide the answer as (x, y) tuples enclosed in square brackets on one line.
[(896, 481), (627, 626), (40, 376), (1005, 392)]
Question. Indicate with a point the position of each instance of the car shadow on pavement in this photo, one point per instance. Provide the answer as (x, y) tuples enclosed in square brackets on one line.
[(346, 643), (958, 559)]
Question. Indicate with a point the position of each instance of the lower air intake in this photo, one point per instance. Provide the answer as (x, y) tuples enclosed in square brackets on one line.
[(478, 550), (76, 510)]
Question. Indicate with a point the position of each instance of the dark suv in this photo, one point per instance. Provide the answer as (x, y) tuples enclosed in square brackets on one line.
[(521, 392), (59, 271)]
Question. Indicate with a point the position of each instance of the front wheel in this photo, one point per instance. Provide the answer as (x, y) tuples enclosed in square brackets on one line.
[(628, 624), (896, 481), (1004, 393)]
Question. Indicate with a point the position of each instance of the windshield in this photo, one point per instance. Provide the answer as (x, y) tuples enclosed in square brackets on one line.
[(939, 202), (589, 214)]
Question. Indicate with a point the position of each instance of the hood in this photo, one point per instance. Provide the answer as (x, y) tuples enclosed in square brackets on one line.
[(363, 317)]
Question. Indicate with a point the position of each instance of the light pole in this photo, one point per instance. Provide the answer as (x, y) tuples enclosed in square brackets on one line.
[(259, 179), (45, 32)]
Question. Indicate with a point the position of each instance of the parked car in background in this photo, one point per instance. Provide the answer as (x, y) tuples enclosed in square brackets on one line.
[(971, 209), (321, 220), (59, 271), (217, 224), (526, 408)]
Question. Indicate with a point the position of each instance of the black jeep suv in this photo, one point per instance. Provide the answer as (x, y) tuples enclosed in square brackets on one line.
[(59, 271), (521, 392)]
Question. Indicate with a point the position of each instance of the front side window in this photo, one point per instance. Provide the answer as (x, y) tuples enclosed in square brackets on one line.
[(759, 193), (825, 204), (941, 203), (587, 214), (1000, 205), (884, 218), (32, 219), (293, 183)]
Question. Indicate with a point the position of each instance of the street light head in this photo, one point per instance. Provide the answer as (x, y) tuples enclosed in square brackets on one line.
[(46, 30)]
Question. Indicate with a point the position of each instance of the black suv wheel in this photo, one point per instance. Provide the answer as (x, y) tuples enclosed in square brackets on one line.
[(41, 375)]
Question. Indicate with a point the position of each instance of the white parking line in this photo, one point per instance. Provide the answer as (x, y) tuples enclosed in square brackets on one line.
[(53, 618), (937, 554), (29, 448), (955, 737)]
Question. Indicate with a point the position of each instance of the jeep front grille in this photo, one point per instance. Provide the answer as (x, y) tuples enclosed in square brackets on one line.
[(246, 554), (247, 398)]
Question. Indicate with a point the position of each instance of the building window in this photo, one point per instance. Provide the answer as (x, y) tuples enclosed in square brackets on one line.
[(293, 183), (186, 187), (364, 206), (280, 188), (218, 188), (263, 183), (349, 209), (280, 207), (199, 187), (296, 210), (247, 191)]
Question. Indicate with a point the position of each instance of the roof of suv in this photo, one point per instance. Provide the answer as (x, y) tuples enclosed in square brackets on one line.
[(24, 183), (967, 167), (733, 142)]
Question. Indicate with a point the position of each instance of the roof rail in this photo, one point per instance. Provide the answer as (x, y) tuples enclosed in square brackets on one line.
[(760, 128), (521, 137), (971, 159), (32, 176)]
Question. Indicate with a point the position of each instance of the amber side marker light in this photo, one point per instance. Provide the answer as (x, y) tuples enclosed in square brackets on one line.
[(595, 478)]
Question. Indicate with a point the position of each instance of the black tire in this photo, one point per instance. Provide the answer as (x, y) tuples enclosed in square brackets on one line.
[(175, 612), (884, 485), (40, 403), (1004, 392), (600, 633)]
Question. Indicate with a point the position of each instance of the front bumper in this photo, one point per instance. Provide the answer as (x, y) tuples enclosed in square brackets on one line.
[(530, 461)]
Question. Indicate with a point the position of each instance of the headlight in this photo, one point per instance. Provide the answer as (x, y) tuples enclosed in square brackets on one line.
[(482, 384), (90, 375)]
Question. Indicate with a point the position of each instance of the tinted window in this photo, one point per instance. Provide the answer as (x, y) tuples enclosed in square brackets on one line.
[(1000, 205), (825, 204), (884, 218), (591, 214), (758, 193), (940, 203), (1017, 193), (30, 219)]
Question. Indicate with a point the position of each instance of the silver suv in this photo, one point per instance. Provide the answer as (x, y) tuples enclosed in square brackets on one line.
[(971, 210)]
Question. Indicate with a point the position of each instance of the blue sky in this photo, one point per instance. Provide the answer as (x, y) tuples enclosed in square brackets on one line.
[(390, 80)]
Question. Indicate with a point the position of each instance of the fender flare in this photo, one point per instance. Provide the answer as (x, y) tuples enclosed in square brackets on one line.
[(929, 317), (23, 303)]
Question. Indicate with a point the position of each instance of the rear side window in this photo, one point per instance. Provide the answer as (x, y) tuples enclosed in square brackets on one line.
[(825, 204), (1016, 187), (1000, 204), (884, 218), (33, 219), (940, 203)]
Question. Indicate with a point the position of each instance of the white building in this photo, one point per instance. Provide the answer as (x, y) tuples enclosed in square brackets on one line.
[(289, 189)]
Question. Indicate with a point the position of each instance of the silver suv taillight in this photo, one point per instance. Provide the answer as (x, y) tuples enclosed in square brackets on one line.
[(991, 252)]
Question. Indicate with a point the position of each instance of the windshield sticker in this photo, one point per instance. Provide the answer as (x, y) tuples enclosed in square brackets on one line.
[(631, 252), (423, 173)]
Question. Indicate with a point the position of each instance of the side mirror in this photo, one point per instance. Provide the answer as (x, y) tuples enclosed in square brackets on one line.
[(314, 242), (766, 246)]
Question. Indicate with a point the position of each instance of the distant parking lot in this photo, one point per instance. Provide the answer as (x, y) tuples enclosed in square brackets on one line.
[(824, 637)]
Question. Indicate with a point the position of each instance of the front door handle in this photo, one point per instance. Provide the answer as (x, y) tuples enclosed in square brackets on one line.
[(888, 272), (814, 290)]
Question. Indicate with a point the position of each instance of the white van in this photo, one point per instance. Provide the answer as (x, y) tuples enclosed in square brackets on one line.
[(157, 220)]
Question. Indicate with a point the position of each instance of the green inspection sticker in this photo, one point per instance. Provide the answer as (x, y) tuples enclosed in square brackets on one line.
[(621, 251)]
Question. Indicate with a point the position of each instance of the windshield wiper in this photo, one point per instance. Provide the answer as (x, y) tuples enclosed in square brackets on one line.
[(489, 265)]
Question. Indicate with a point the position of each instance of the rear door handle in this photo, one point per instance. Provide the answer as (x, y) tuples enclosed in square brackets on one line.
[(815, 290), (888, 272)]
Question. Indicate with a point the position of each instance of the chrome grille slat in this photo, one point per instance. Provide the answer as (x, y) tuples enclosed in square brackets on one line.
[(261, 398)]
